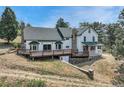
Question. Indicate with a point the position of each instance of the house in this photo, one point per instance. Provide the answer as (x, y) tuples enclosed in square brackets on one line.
[(79, 42)]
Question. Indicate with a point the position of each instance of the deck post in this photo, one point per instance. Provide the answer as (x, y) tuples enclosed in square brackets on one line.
[(52, 57), (63, 51), (33, 58)]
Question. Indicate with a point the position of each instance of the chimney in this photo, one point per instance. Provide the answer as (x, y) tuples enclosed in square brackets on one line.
[(22, 26), (74, 40), (22, 37)]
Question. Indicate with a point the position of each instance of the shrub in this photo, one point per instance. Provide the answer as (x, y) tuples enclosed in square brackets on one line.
[(16, 45), (119, 79), (36, 83)]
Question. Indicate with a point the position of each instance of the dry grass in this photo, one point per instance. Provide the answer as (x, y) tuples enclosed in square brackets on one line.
[(47, 67), (104, 68), (55, 73)]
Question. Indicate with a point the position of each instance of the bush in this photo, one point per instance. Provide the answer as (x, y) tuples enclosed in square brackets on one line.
[(119, 79), (36, 83), (16, 45)]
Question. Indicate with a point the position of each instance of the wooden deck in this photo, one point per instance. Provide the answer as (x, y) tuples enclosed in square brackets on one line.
[(62, 52)]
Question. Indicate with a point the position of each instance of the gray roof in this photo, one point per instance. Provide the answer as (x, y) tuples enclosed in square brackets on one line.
[(82, 30), (66, 32), (38, 33)]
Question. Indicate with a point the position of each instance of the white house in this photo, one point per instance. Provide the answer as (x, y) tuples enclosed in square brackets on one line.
[(78, 40)]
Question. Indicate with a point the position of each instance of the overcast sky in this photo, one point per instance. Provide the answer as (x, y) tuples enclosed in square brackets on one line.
[(47, 16)]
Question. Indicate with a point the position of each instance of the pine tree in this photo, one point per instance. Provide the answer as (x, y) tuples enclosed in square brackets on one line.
[(62, 23), (110, 36), (121, 18), (28, 25), (8, 25)]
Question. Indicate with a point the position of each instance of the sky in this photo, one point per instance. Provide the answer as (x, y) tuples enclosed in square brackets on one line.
[(47, 16)]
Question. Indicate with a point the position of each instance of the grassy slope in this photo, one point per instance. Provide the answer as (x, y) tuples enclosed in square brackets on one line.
[(55, 73)]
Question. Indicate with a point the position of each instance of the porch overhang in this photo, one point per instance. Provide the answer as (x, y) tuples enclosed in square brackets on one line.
[(34, 42), (90, 43)]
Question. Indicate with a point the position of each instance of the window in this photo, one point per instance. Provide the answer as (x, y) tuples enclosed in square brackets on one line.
[(34, 47), (47, 47), (67, 46), (85, 48), (92, 48), (84, 38), (93, 39), (58, 46), (98, 47), (67, 38)]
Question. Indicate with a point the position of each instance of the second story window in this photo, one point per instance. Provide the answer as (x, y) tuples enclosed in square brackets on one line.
[(93, 39), (84, 38)]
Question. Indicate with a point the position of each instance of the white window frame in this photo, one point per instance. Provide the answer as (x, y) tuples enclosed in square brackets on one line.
[(57, 46), (34, 45)]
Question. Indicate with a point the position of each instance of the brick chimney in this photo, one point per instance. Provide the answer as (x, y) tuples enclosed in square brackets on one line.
[(74, 40)]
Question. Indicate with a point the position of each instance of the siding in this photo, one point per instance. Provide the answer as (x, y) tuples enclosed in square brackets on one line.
[(65, 43)]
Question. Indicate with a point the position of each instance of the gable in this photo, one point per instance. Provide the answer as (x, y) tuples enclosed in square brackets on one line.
[(86, 30), (90, 32), (90, 35)]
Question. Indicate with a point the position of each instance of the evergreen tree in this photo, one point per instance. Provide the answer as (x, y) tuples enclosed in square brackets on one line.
[(110, 36), (62, 23), (119, 42), (84, 24), (121, 18), (28, 25), (8, 25)]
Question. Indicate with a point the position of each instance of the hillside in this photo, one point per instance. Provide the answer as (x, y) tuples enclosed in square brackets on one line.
[(16, 68)]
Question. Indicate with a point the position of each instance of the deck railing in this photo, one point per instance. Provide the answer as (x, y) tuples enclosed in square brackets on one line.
[(61, 52), (51, 53)]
